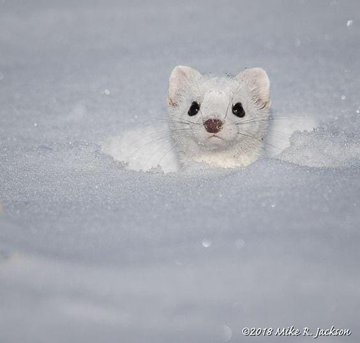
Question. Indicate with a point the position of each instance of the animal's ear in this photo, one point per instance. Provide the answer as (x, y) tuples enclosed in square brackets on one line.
[(259, 84), (180, 78)]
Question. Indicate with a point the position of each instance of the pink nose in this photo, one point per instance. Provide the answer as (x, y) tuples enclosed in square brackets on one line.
[(213, 125)]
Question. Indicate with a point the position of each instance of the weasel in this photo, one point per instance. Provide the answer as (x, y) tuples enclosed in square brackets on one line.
[(220, 121)]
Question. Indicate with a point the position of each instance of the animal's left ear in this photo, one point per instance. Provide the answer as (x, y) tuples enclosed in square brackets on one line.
[(181, 77), (259, 84)]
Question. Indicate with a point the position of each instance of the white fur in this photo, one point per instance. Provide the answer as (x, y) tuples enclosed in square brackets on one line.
[(240, 142)]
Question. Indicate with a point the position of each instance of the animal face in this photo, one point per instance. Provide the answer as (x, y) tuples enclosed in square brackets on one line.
[(217, 113)]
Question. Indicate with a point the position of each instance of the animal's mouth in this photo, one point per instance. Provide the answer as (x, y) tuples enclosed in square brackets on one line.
[(216, 137)]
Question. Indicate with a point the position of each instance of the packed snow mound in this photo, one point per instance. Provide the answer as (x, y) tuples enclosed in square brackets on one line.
[(281, 129), (143, 149), (326, 146)]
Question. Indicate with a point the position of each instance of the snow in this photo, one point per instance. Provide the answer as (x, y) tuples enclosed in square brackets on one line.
[(325, 147), (147, 148), (91, 251)]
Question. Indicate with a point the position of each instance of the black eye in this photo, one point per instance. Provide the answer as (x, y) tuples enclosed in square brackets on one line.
[(194, 108), (238, 110)]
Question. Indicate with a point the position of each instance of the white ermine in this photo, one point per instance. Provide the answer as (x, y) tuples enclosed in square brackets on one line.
[(221, 121)]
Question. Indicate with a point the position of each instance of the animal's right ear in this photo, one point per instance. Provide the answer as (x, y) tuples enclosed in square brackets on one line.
[(259, 85), (180, 78)]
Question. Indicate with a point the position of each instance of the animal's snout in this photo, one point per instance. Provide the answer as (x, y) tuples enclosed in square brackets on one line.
[(213, 125)]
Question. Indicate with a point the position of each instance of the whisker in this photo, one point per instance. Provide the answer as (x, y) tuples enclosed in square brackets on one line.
[(186, 122), (260, 140), (148, 142), (169, 150), (260, 121)]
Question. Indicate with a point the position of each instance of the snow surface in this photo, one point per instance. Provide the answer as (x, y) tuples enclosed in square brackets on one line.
[(92, 252)]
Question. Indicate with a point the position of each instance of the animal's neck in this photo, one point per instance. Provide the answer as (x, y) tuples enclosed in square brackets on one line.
[(235, 156)]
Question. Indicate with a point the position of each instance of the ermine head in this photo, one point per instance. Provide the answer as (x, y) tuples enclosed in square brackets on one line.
[(217, 114)]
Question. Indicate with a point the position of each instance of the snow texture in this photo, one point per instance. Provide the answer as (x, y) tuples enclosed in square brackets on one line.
[(144, 149), (91, 251)]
